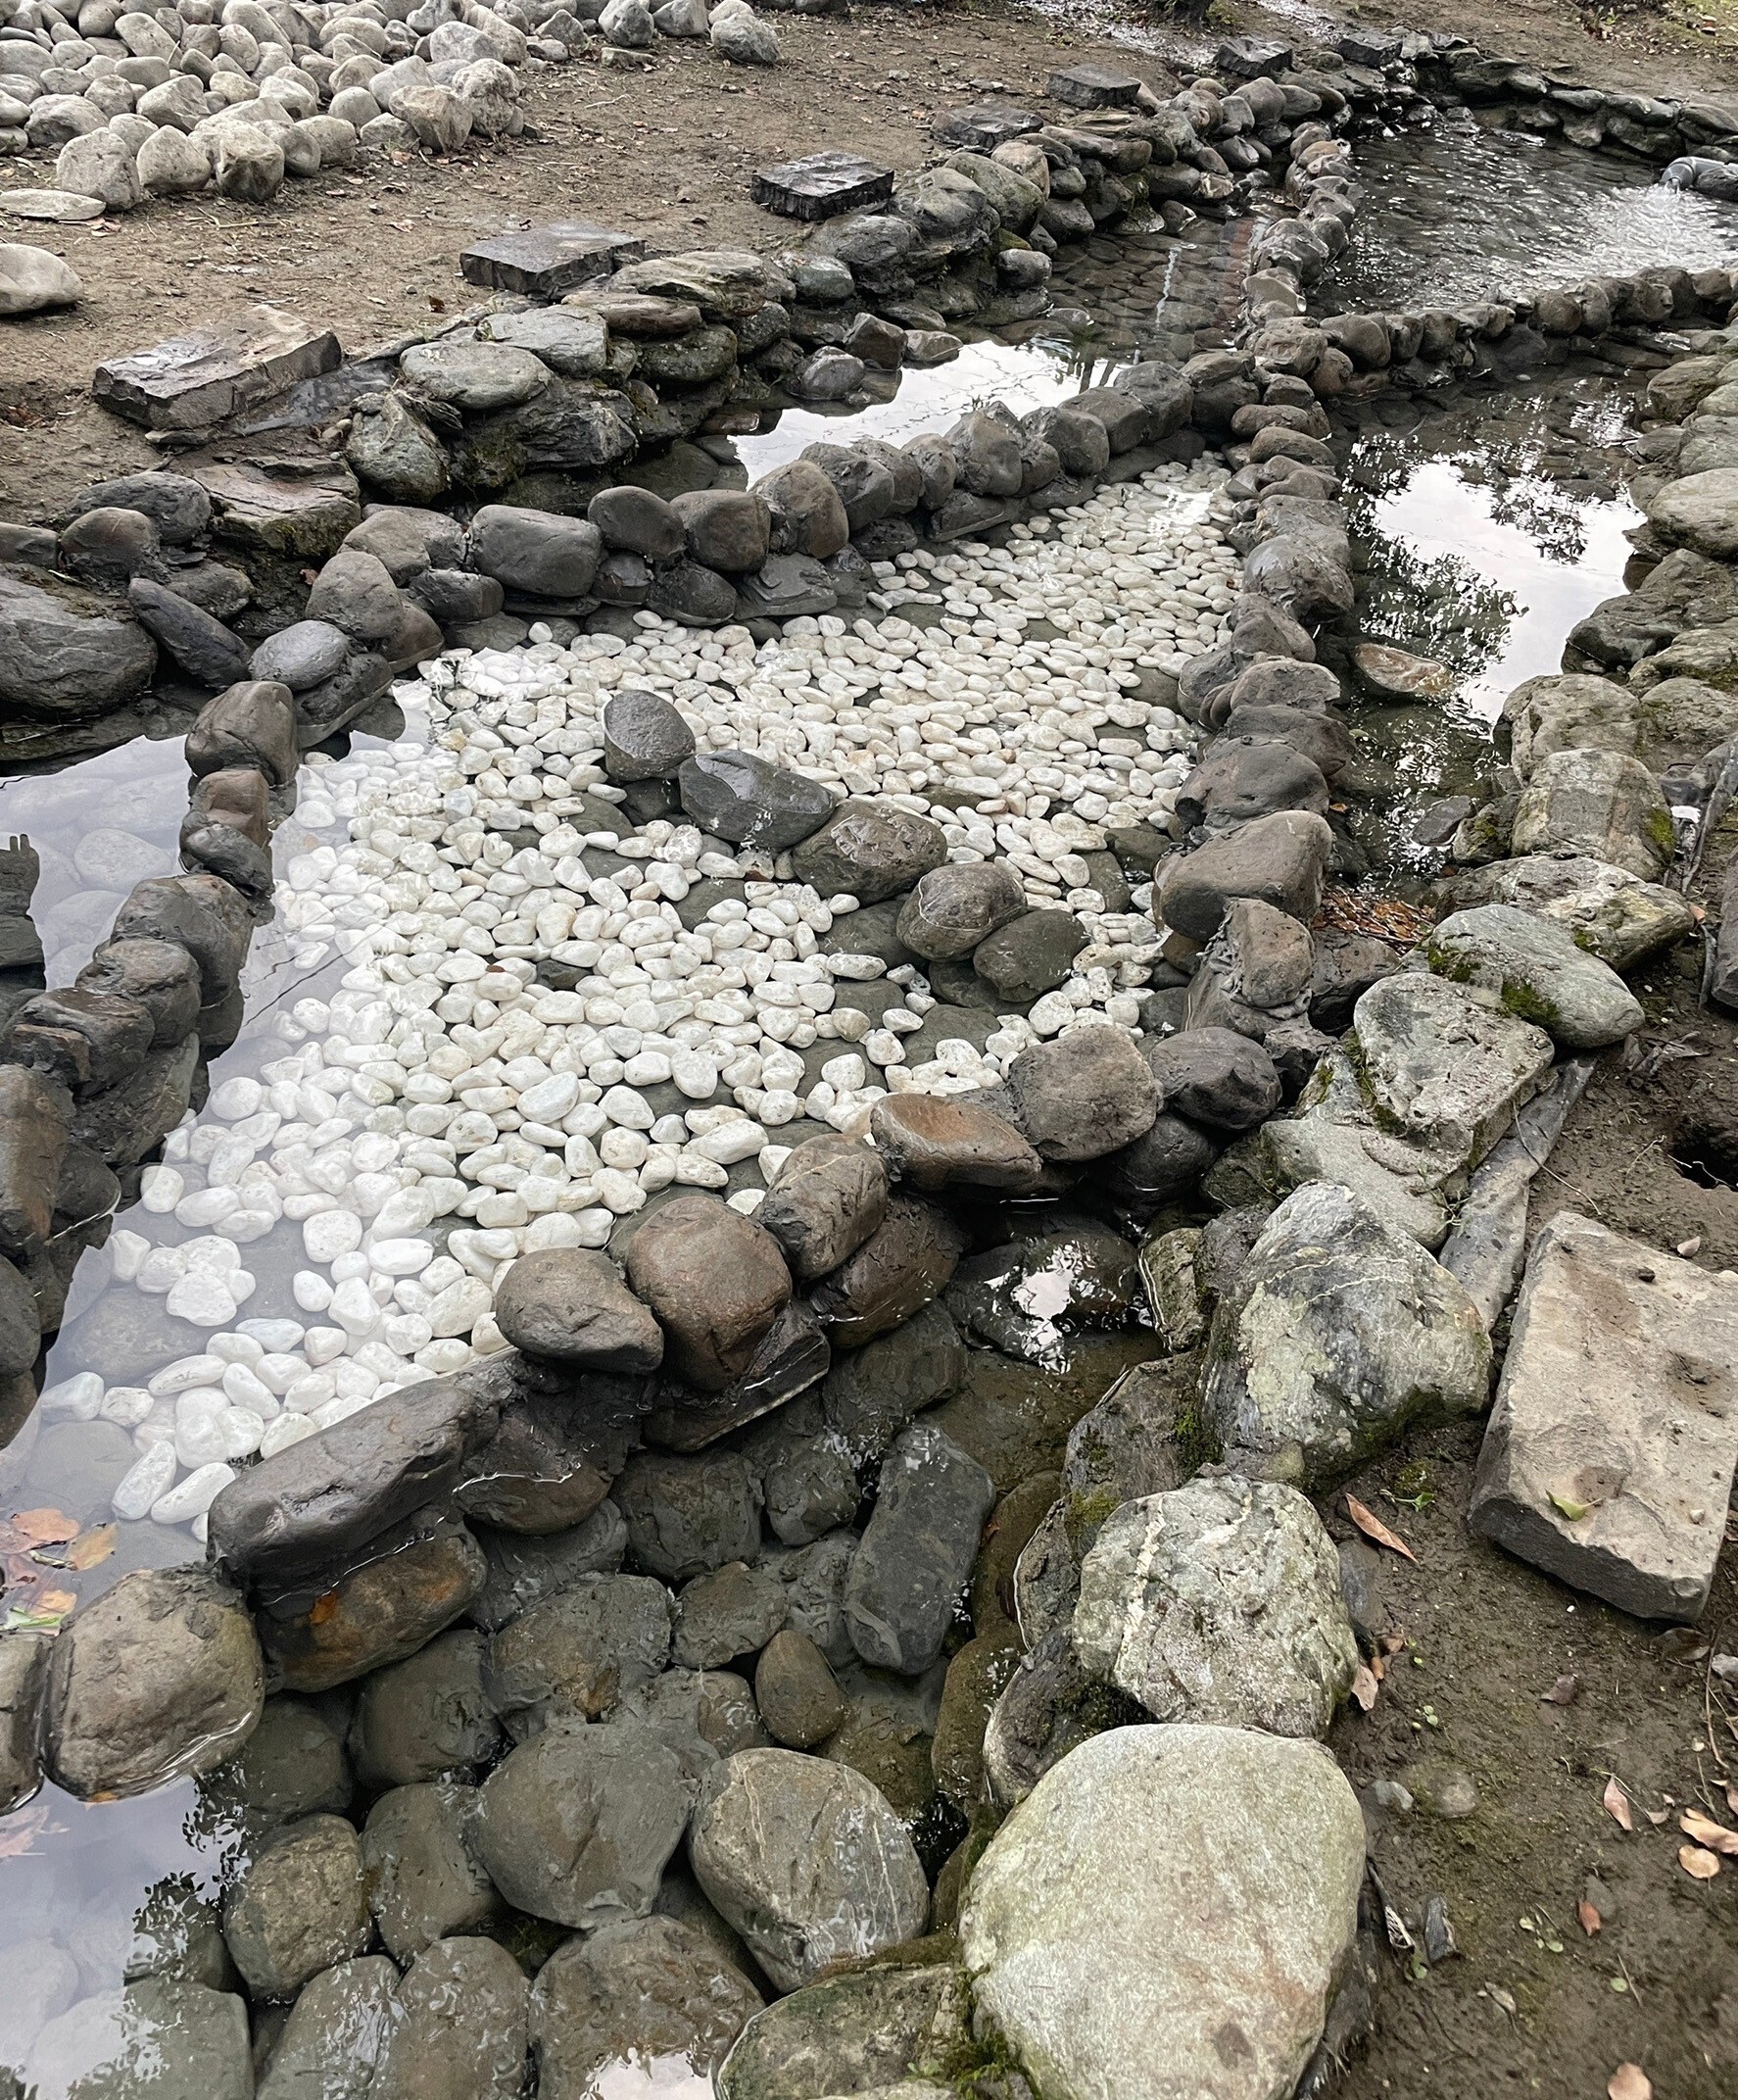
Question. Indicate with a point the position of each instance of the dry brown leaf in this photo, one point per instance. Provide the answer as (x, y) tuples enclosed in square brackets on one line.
[(89, 1550), (1629, 2081), (1562, 1693), (1706, 1832), (1732, 1799), (1699, 1865), (1657, 1816), (1373, 1527), (1588, 1918), (1363, 1686), (46, 1527), (1616, 1804)]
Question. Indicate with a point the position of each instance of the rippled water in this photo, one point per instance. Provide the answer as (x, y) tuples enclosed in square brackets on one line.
[(1459, 212)]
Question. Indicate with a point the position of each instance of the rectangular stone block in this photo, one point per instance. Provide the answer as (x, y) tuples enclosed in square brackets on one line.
[(304, 519), (193, 380), (544, 262), (985, 125), (821, 185), (1609, 1457), (1094, 88)]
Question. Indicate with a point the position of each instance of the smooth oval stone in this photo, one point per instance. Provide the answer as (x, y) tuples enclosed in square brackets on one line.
[(474, 375)]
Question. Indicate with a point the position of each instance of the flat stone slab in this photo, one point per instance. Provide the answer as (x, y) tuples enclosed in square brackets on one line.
[(1609, 1457), (1094, 88), (55, 204), (821, 185), (192, 380), (986, 124), (547, 261)]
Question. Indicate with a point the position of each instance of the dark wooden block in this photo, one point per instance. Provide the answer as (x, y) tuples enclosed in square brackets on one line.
[(821, 185), (194, 380), (544, 262), (985, 125), (1094, 87)]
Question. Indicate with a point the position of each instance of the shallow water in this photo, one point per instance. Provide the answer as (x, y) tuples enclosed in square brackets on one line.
[(1459, 212)]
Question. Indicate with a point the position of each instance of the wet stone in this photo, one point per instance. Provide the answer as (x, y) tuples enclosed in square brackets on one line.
[(734, 1610), (750, 801), (424, 1716), (807, 1861), (825, 1200), (577, 1828), (195, 2040), (821, 185), (904, 1263), (460, 2027), (549, 260), (299, 1905), (688, 1515), (578, 1652), (334, 2035), (645, 738), (23, 1669), (524, 1571), (293, 1764), (1023, 1298), (911, 1569), (863, 2032), (568, 1305), (796, 1692), (423, 1885)]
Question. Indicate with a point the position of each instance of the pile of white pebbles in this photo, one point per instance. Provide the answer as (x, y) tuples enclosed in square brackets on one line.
[(442, 1084)]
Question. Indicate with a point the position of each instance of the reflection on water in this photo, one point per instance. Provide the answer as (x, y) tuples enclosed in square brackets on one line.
[(1492, 579), (658, 2077), (1460, 212)]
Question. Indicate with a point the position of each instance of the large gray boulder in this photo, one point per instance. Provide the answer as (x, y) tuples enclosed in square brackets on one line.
[(1538, 970), (650, 1989), (1094, 1927), (160, 1677), (1700, 512), (1598, 803), (577, 1828), (572, 1657), (1610, 912), (869, 851), (1609, 1453), (459, 2027), (426, 1715), (1281, 859), (910, 1571), (1340, 1333), (173, 2040), (807, 1861), (67, 653), (1446, 1064), (1087, 1092), (1219, 1602)]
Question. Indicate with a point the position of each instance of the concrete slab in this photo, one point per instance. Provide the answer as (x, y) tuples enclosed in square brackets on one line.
[(1609, 1457), (985, 125), (191, 381), (544, 262)]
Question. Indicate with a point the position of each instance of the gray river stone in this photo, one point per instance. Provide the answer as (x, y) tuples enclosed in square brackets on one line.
[(1282, 860), (293, 1764), (459, 2027), (1083, 1094), (1117, 1975), (858, 2034), (807, 1861), (568, 1305), (1125, 1447), (426, 1715), (1218, 1601), (1538, 970), (1700, 512), (298, 1904), (687, 1515), (910, 1571), (869, 851), (333, 2038), (524, 1571), (796, 1692), (573, 1656), (648, 1989), (1570, 712), (1022, 1298), (576, 1827), (158, 1676), (66, 652), (956, 905), (750, 801), (175, 2040), (473, 376), (1611, 912), (1599, 802), (423, 1883), (933, 1140), (1448, 1064), (824, 1201), (806, 1472), (734, 1610), (871, 1393), (323, 1498), (1609, 1453), (645, 738), (1340, 1333), (1215, 1076), (301, 656), (23, 1677)]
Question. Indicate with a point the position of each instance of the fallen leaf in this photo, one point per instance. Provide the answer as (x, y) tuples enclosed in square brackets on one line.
[(1373, 1527), (89, 1550), (1392, 1643), (1657, 1816), (1588, 1918), (46, 1527), (1699, 1865), (1706, 1832), (1629, 2081), (1616, 1804), (1363, 1686), (1502, 1999), (1732, 1799), (1687, 1248), (1562, 1693), (1568, 1505)]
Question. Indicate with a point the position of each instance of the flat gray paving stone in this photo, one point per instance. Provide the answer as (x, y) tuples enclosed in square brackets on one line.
[(821, 185), (189, 381), (547, 261), (1094, 88), (55, 204), (985, 125)]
